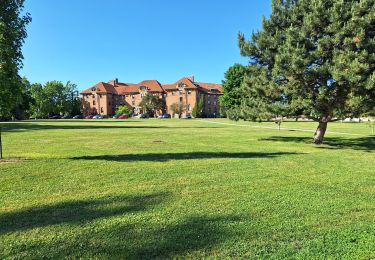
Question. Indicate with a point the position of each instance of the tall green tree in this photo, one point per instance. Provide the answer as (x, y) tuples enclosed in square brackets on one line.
[(198, 110), (231, 97), (177, 109), (22, 109), (151, 103), (39, 108), (12, 35), (317, 55)]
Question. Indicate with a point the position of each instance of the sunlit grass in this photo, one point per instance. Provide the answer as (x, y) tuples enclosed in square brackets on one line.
[(185, 188)]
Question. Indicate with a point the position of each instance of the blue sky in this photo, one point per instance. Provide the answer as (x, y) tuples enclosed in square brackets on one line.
[(87, 41)]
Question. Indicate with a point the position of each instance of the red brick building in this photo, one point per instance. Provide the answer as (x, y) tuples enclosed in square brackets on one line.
[(103, 98)]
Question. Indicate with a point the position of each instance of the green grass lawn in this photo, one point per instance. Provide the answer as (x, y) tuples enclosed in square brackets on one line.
[(186, 189)]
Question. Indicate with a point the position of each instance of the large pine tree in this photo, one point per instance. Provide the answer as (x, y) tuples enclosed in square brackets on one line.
[(12, 34), (319, 56)]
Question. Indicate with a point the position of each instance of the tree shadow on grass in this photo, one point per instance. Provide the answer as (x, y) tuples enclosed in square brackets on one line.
[(188, 235), (139, 239), (362, 143), (164, 157), (23, 127), (77, 211)]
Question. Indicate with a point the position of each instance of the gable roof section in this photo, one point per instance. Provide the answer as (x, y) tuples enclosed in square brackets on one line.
[(101, 87), (152, 85), (207, 87), (126, 88), (189, 84)]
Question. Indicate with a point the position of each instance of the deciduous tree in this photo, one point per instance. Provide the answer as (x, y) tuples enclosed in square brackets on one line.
[(151, 103), (12, 35), (231, 98)]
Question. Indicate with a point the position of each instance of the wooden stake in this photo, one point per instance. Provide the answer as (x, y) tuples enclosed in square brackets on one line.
[(1, 147)]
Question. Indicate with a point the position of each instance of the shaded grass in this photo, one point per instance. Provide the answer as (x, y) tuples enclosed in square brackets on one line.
[(183, 188)]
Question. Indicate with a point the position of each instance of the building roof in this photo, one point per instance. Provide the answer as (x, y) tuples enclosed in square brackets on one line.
[(211, 88), (115, 87), (152, 85), (126, 88), (101, 87), (187, 81)]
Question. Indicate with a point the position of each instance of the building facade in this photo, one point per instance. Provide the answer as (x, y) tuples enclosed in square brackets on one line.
[(104, 98)]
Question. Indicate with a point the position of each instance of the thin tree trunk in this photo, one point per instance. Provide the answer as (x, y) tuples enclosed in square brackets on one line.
[(320, 131)]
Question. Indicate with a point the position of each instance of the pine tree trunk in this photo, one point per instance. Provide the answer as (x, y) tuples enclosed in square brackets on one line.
[(320, 131)]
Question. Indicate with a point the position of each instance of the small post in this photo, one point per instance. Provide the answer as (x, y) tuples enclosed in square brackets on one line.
[(278, 122), (1, 147), (372, 126)]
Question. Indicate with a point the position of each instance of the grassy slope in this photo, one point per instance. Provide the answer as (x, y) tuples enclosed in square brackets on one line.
[(184, 188)]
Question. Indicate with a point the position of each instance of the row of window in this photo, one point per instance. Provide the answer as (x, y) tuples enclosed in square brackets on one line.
[(165, 95), (180, 92), (181, 100), (209, 102)]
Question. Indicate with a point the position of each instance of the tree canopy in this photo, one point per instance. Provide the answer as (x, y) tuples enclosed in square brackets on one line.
[(317, 57), (124, 110), (177, 109), (54, 98), (198, 110), (150, 103), (231, 97), (12, 35)]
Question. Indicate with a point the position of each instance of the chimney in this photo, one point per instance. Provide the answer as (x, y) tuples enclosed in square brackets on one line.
[(116, 81), (191, 78)]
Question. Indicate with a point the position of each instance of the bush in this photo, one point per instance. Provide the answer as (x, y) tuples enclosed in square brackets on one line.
[(124, 110)]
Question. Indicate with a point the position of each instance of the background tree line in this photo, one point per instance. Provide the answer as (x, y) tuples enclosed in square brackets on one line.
[(42, 101)]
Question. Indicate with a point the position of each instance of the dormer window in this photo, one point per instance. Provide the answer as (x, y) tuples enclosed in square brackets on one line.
[(181, 85), (143, 88), (93, 89), (213, 90)]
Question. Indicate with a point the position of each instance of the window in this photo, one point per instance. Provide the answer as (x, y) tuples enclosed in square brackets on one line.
[(142, 95), (180, 99), (189, 92), (93, 89), (126, 95), (93, 103), (166, 94), (208, 96), (133, 103), (214, 103), (173, 93), (133, 97), (93, 96), (101, 110), (208, 102), (100, 96), (180, 91), (188, 107)]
